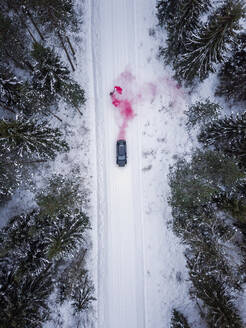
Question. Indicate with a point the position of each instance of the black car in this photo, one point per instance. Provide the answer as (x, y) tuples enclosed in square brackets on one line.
[(121, 156)]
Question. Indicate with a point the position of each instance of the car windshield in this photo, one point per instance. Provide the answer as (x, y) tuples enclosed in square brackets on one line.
[(121, 158), (121, 149)]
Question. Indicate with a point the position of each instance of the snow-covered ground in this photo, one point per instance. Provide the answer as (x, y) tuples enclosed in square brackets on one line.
[(137, 262), (141, 272)]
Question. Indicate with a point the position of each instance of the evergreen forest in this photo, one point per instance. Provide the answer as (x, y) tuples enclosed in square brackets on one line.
[(208, 184), (44, 245), (45, 240)]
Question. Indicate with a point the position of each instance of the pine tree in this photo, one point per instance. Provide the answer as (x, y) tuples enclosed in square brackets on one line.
[(188, 16), (49, 71), (51, 77), (70, 277), (53, 13), (18, 96), (10, 88), (187, 21), (195, 189), (233, 202), (23, 300), (13, 43), (201, 113), (211, 43), (32, 250), (35, 101), (194, 185), (210, 287), (29, 139), (66, 233), (232, 79), (23, 242), (74, 284), (178, 320), (184, 20), (227, 135), (82, 295), (166, 10), (73, 94), (25, 273), (10, 180), (61, 194)]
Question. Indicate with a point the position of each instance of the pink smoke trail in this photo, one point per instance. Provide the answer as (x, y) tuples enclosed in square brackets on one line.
[(129, 93), (125, 108)]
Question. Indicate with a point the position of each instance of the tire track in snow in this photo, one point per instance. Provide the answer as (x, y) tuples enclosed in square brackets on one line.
[(94, 7), (141, 237)]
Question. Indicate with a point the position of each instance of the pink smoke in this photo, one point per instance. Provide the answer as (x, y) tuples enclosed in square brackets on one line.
[(125, 108), (128, 93), (174, 89)]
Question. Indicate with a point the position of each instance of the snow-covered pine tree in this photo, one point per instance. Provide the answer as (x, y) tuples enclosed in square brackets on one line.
[(23, 242), (178, 320), (74, 283), (49, 72), (181, 15), (210, 44), (22, 97), (31, 246), (62, 194), (202, 112), (51, 77), (233, 202), (82, 294), (13, 43), (10, 88), (232, 77), (35, 101), (194, 185), (29, 139), (25, 272), (10, 179), (210, 286), (184, 21), (23, 299), (166, 11), (65, 233), (70, 276), (53, 13), (73, 94), (187, 20), (228, 135)]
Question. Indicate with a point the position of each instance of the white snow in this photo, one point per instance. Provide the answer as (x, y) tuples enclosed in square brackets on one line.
[(137, 263), (140, 263)]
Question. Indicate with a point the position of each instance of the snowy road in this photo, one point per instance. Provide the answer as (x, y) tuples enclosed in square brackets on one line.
[(141, 273), (121, 264)]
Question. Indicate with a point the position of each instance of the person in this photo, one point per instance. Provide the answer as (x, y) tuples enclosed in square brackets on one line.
[(116, 89)]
